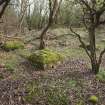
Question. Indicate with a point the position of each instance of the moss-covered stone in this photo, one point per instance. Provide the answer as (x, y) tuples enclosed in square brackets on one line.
[(45, 58), (93, 99), (12, 45)]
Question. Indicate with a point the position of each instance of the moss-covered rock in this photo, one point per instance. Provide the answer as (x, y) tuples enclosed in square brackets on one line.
[(93, 99), (45, 58), (12, 45)]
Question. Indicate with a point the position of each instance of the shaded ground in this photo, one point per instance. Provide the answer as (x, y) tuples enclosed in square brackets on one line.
[(70, 83), (12, 91)]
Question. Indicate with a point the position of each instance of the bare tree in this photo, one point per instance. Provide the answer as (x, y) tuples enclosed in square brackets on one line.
[(53, 9), (4, 4), (93, 10), (39, 14), (23, 4)]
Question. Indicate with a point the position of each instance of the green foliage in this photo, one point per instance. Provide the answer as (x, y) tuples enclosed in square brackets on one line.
[(11, 64), (80, 102), (101, 75), (12, 45), (36, 19), (68, 17), (99, 3), (48, 95), (44, 58), (57, 97), (72, 83), (93, 99), (9, 67)]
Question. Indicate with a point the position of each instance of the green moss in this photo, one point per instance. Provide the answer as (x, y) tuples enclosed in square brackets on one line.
[(45, 57), (80, 102), (101, 75), (93, 99), (9, 67), (11, 64), (72, 83), (12, 45), (48, 95)]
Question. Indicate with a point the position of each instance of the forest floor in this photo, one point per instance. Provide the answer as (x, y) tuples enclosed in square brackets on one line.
[(70, 83)]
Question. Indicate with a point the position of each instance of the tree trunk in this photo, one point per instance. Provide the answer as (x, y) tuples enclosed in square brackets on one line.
[(95, 66), (42, 37), (4, 6), (94, 63), (53, 7)]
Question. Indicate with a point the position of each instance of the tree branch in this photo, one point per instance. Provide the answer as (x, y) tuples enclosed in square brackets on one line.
[(4, 6), (101, 55), (81, 41), (86, 4), (2, 1), (84, 19)]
